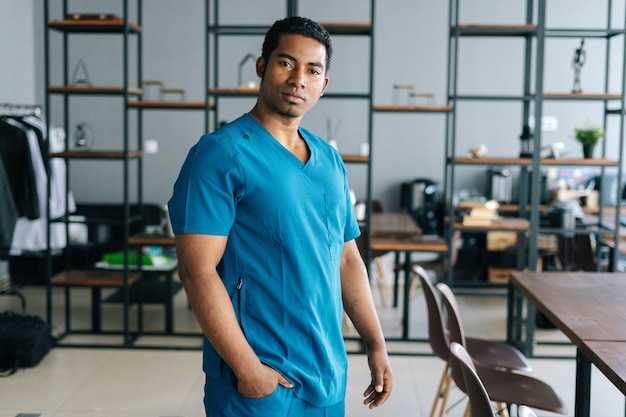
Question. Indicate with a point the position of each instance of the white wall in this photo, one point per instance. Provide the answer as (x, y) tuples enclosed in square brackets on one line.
[(410, 47), (17, 53)]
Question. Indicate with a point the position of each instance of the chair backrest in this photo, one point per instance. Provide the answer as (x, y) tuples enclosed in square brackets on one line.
[(451, 308), (454, 327), (437, 332), (524, 411), (576, 253), (479, 400)]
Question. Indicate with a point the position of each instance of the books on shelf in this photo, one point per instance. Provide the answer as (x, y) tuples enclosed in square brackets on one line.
[(482, 215)]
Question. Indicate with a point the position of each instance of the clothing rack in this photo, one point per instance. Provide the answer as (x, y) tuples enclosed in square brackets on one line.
[(12, 109), (7, 288)]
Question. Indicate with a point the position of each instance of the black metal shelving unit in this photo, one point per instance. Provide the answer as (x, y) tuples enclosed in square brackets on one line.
[(217, 91), (68, 24), (535, 34)]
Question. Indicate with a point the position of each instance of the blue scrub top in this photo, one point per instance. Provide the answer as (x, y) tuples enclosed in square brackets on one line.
[(286, 223)]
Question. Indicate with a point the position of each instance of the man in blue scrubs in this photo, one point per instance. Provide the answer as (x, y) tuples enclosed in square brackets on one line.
[(265, 239)]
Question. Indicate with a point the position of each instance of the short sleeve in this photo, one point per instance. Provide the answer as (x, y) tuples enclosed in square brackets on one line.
[(205, 193)]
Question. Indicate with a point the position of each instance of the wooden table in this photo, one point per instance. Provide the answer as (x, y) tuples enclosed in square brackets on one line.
[(589, 309), (503, 223), (394, 225), (398, 232), (610, 359)]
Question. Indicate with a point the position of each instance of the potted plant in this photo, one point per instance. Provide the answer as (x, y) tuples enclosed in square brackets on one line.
[(588, 137)]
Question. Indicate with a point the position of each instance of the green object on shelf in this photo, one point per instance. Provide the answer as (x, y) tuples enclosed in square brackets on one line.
[(588, 136), (117, 258)]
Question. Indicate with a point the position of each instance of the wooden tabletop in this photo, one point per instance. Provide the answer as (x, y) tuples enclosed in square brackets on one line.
[(416, 244), (610, 358), (394, 225), (502, 223), (583, 305)]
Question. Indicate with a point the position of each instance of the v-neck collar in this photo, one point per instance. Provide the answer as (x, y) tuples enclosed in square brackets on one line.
[(263, 132)]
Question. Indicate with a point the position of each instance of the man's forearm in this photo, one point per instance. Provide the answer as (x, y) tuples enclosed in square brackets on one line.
[(214, 312)]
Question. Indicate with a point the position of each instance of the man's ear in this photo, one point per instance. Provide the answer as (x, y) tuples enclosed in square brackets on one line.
[(260, 67), (326, 80)]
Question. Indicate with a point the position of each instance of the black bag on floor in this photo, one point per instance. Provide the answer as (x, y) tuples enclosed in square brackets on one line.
[(24, 341)]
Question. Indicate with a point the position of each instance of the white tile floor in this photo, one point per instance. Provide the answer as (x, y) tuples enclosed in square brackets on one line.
[(86, 382)]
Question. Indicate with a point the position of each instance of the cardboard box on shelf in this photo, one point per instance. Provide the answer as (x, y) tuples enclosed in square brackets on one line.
[(498, 275), (500, 240)]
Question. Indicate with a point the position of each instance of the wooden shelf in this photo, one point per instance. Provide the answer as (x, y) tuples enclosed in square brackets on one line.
[(93, 278), (581, 161), (73, 89), (170, 105), (94, 26), (254, 92), (234, 91), (95, 154), (466, 160), (334, 28), (582, 33), (411, 108), (466, 29), (355, 158), (581, 96), (514, 208), (529, 161), (503, 223)]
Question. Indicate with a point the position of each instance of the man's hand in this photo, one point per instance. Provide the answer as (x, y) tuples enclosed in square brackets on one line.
[(261, 383), (380, 387)]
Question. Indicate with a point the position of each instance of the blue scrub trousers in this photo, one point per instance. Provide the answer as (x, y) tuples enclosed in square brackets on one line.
[(223, 400)]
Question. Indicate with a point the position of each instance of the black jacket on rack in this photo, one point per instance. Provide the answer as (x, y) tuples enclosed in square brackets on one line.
[(8, 211), (24, 144), (16, 158)]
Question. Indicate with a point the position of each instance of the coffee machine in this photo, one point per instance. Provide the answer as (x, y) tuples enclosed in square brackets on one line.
[(500, 185), (421, 198)]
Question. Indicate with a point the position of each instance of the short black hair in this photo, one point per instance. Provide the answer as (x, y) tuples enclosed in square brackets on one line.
[(298, 26)]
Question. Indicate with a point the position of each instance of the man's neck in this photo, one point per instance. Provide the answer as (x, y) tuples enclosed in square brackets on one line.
[(284, 130)]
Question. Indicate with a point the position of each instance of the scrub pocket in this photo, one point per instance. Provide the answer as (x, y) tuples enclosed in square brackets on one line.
[(335, 220), (276, 404), (221, 398)]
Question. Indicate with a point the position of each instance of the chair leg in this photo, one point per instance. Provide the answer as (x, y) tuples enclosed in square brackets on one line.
[(446, 394), (444, 386), (383, 284), (503, 409), (414, 284), (468, 410)]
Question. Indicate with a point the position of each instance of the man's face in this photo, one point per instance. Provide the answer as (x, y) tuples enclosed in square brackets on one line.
[(294, 77)]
